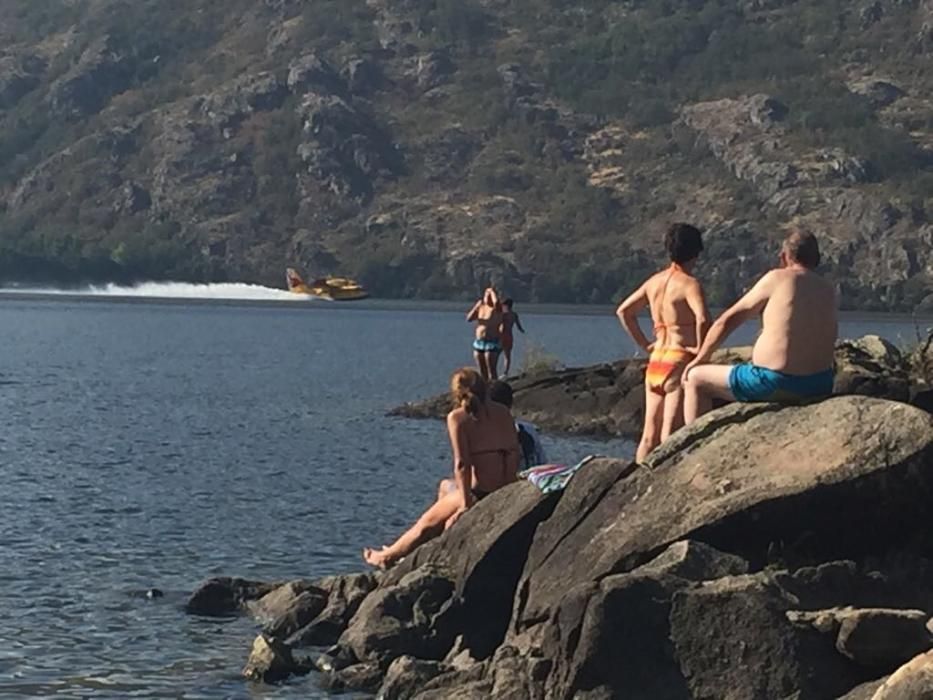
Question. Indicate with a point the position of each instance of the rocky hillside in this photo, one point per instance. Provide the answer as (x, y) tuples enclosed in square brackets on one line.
[(428, 146)]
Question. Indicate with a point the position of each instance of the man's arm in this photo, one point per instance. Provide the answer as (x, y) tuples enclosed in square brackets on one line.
[(745, 308), (474, 312), (628, 315), (697, 303), (518, 324), (460, 447)]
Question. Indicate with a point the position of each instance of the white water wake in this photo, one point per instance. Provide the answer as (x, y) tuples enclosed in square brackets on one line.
[(174, 290)]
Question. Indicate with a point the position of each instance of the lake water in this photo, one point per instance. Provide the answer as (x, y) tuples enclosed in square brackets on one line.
[(154, 444)]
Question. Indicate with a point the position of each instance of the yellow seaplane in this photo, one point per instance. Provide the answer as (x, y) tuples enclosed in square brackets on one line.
[(330, 288)]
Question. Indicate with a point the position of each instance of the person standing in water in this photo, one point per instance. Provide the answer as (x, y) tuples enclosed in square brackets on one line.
[(487, 313), (794, 357), (678, 309), (509, 319)]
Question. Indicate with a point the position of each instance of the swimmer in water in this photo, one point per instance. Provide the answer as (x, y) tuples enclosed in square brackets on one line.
[(487, 313)]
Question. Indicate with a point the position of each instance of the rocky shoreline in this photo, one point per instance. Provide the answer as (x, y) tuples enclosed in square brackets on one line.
[(608, 399), (764, 552)]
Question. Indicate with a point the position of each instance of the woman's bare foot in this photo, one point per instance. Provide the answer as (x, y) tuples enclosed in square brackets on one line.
[(378, 558)]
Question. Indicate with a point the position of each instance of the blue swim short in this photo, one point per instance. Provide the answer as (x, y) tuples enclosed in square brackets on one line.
[(752, 384), (483, 345)]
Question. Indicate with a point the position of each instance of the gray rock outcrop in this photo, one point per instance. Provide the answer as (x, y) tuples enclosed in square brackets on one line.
[(608, 399)]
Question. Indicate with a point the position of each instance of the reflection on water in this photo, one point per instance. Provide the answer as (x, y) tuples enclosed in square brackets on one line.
[(148, 445)]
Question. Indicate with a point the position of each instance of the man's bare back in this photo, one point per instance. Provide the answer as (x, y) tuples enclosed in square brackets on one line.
[(799, 324), (792, 360)]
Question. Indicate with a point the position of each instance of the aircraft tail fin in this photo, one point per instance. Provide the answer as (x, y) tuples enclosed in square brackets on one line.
[(295, 282)]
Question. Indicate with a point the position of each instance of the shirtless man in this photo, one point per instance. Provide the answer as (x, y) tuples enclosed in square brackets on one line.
[(487, 312), (678, 311), (793, 356)]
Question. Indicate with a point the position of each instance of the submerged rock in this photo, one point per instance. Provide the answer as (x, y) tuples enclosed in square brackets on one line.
[(271, 661), (226, 596), (289, 607)]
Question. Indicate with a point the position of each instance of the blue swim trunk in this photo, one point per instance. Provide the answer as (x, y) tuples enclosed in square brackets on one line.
[(752, 384), (483, 345)]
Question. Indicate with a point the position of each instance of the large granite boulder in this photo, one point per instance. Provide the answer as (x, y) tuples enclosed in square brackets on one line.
[(871, 366), (464, 583), (345, 594), (913, 681), (701, 573), (741, 479)]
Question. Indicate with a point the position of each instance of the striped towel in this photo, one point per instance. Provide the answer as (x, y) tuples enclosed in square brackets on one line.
[(553, 477)]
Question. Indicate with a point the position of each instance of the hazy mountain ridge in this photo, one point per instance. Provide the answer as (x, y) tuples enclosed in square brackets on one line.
[(427, 146)]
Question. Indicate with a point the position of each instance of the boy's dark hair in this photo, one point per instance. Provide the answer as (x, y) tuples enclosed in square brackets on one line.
[(508, 303), (501, 392), (683, 242)]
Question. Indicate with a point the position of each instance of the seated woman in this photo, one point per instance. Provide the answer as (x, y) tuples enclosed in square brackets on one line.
[(486, 454)]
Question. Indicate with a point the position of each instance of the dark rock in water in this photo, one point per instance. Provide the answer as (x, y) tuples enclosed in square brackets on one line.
[(226, 596), (153, 593), (344, 596), (289, 608), (271, 661), (844, 466), (336, 658), (408, 617), (912, 681), (364, 677)]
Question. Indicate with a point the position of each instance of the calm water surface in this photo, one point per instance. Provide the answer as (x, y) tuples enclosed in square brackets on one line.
[(153, 445)]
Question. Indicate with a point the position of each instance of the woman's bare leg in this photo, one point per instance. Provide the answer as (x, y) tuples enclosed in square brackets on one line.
[(651, 434), (701, 386), (673, 412), (492, 365), (481, 363), (429, 526)]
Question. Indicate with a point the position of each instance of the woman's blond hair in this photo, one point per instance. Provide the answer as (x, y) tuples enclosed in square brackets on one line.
[(468, 390)]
